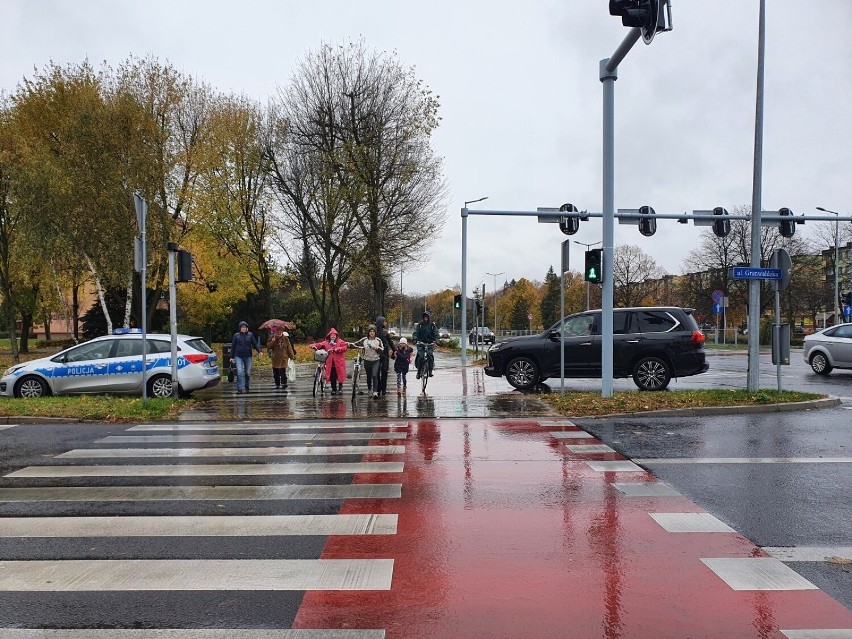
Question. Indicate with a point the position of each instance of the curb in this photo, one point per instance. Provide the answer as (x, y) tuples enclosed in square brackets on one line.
[(815, 404)]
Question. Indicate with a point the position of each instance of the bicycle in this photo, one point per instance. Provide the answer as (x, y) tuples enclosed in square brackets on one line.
[(320, 356), (424, 370), (356, 367)]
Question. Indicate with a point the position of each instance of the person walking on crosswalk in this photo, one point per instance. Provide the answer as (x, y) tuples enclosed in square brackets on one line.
[(243, 345), (281, 352)]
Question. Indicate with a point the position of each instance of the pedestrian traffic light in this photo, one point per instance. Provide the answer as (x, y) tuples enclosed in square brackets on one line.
[(184, 266), (721, 226), (457, 301), (594, 266), (787, 228), (478, 306), (647, 224), (569, 225)]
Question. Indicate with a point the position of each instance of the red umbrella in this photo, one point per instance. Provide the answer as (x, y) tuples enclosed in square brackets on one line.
[(277, 323)]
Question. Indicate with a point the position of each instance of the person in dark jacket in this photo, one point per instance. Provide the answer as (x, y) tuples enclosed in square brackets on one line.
[(242, 346), (402, 359), (384, 362), (425, 333)]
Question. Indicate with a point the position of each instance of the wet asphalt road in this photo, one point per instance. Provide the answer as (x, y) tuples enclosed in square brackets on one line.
[(773, 504)]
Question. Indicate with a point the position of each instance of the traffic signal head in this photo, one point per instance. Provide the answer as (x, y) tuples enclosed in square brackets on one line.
[(457, 301), (785, 227), (184, 266), (594, 266), (721, 226), (569, 225), (644, 14), (647, 224)]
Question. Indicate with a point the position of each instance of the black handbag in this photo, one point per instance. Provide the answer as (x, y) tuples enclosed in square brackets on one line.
[(231, 373)]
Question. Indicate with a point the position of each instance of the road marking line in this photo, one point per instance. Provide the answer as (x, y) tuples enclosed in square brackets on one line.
[(691, 523), (590, 448), (744, 460), (809, 553), (201, 470), (169, 633), (201, 526), (762, 573), (280, 437), (614, 466), (571, 434), (822, 633), (209, 493), (271, 451), (645, 489), (6, 426), (78, 575)]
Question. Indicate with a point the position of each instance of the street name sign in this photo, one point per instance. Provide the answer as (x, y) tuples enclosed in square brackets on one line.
[(749, 273)]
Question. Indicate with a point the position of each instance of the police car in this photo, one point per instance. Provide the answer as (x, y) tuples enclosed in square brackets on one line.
[(113, 364)]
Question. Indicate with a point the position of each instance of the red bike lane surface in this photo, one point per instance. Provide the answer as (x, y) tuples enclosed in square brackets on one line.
[(504, 532)]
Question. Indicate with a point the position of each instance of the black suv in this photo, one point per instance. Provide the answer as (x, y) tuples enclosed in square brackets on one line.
[(653, 344), (481, 334)]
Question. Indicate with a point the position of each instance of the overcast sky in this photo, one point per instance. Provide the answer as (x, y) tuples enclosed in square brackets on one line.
[(521, 101)]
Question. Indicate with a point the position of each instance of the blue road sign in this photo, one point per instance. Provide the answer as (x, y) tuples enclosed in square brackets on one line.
[(749, 273), (717, 308)]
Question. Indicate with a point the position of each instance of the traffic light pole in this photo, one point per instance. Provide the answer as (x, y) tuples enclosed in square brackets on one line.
[(608, 76), (753, 379)]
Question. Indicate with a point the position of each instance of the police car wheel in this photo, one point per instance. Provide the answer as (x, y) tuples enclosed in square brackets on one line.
[(160, 386), (31, 387)]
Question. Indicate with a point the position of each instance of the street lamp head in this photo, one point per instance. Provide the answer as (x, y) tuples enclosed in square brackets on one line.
[(474, 201), (819, 208)]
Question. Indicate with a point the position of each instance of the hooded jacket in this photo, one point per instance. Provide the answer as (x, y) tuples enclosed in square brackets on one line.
[(382, 334), (242, 344), (426, 331), (336, 355)]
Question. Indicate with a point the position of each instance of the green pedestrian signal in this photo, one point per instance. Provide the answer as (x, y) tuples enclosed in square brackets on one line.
[(457, 301), (594, 266)]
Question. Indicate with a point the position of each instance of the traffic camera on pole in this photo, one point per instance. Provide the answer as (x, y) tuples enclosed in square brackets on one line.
[(647, 224), (785, 227), (593, 271), (721, 226), (569, 225)]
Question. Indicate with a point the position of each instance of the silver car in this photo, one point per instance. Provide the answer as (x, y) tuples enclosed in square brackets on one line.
[(828, 349), (113, 364)]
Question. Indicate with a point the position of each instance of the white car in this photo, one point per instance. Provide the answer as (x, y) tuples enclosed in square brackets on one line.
[(113, 364), (828, 349)]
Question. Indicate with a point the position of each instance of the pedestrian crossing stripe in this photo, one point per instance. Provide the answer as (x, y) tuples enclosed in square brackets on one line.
[(110, 575), (174, 633), (202, 470), (243, 426), (196, 493), (279, 437), (198, 526), (286, 451)]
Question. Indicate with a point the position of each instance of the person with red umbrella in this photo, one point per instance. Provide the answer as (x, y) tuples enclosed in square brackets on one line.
[(280, 352)]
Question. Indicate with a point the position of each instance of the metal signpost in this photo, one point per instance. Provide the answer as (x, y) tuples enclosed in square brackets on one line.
[(140, 255), (172, 247), (781, 261)]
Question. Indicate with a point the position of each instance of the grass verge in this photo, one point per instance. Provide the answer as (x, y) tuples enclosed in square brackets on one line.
[(102, 408), (588, 404)]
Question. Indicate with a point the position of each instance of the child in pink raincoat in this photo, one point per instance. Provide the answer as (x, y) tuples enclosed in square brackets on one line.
[(335, 365)]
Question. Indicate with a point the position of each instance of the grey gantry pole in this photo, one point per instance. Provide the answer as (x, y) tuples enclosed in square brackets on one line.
[(753, 381), (608, 76), (463, 336)]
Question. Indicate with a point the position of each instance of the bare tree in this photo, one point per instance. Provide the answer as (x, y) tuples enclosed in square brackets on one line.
[(631, 270), (370, 120)]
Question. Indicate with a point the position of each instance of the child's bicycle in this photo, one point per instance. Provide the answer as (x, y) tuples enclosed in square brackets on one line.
[(423, 371), (356, 367), (320, 356)]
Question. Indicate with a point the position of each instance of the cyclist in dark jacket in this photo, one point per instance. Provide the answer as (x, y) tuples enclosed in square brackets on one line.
[(242, 344), (427, 333)]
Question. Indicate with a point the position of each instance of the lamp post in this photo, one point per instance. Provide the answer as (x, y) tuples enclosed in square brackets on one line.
[(464, 278), (836, 267), (495, 297), (588, 246)]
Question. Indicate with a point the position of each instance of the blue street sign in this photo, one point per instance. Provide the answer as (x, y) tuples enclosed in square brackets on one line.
[(717, 308), (749, 273)]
